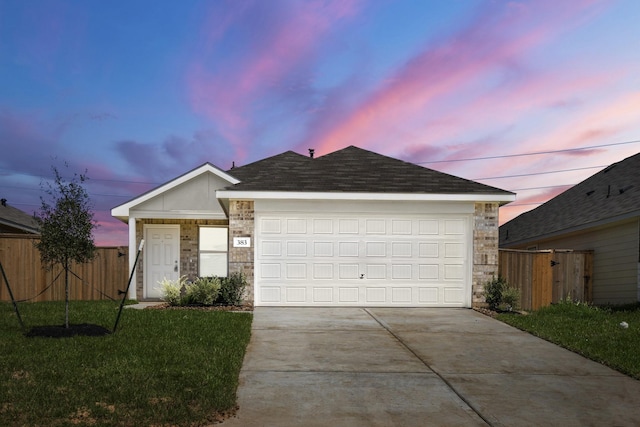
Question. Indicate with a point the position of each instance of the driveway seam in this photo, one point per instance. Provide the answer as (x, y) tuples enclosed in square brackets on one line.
[(443, 379)]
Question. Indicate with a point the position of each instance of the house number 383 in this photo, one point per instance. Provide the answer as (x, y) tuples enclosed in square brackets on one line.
[(241, 242)]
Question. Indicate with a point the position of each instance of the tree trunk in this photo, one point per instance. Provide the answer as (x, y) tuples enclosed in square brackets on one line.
[(66, 295)]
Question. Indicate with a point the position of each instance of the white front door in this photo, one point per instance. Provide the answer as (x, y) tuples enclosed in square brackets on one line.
[(161, 258)]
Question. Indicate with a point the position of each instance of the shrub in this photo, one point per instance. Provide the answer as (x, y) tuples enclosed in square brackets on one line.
[(232, 289), (500, 295), (511, 298), (172, 290), (493, 292), (204, 291)]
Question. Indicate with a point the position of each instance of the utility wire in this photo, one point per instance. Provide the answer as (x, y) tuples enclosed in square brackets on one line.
[(538, 173), (535, 153)]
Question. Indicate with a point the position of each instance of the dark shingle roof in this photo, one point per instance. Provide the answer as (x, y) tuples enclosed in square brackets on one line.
[(351, 169), (611, 194), (13, 220)]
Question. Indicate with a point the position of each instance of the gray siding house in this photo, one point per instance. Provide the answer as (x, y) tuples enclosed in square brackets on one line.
[(601, 213), (350, 228)]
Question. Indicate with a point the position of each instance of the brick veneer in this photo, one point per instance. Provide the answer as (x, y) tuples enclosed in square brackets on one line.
[(485, 249), (188, 246), (242, 224)]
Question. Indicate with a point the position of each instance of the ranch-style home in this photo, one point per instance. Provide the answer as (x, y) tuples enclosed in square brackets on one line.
[(350, 228)]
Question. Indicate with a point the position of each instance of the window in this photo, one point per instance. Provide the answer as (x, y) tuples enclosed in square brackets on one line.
[(213, 249)]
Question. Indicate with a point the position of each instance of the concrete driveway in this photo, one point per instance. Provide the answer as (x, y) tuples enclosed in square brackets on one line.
[(419, 367)]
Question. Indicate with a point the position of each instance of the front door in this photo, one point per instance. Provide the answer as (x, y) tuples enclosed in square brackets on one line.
[(162, 257)]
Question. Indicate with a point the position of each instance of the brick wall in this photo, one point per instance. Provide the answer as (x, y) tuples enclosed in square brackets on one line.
[(241, 224), (188, 246), (485, 249)]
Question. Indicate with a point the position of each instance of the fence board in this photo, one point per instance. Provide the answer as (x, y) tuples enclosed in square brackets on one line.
[(99, 279), (546, 277)]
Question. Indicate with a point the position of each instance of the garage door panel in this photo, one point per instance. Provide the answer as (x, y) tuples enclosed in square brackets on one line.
[(401, 249), (296, 226), (428, 295), (429, 227), (323, 226), (297, 248), (271, 226), (270, 294), (296, 271), (323, 271), (348, 249), (362, 260), (323, 249), (453, 295), (375, 295), (323, 295), (349, 271), (296, 294), (349, 226), (376, 249), (376, 271), (348, 295), (271, 248), (401, 295)]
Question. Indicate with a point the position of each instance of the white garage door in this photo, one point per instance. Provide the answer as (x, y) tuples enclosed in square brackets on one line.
[(355, 260)]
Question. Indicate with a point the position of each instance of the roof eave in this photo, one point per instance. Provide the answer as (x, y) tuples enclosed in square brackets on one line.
[(501, 198), (575, 229)]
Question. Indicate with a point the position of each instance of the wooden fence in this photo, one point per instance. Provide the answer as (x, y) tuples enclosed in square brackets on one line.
[(99, 279), (546, 277)]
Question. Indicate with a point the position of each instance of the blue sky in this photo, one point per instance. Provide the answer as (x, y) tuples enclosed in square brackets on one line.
[(139, 92)]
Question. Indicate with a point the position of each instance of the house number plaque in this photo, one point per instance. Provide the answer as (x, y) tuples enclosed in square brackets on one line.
[(242, 242)]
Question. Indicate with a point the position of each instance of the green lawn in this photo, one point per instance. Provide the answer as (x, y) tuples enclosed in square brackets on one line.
[(161, 367), (590, 331)]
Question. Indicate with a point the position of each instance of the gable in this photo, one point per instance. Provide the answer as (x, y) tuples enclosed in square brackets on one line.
[(196, 196), (191, 195)]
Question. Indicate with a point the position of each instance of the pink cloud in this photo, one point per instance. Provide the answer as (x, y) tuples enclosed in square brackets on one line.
[(441, 74), (227, 93)]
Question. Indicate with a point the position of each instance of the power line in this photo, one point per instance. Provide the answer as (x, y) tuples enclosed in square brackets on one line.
[(538, 173), (535, 153)]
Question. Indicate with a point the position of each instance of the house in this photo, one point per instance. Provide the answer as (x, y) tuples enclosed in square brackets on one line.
[(15, 221), (351, 228), (602, 214)]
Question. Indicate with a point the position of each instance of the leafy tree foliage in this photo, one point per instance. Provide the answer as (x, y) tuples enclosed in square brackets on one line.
[(66, 226)]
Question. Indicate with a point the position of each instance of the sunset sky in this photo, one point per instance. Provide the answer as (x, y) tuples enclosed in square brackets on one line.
[(139, 92)]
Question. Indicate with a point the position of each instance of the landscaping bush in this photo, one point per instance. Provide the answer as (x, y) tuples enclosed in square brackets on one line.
[(204, 291), (500, 295), (172, 290), (232, 289)]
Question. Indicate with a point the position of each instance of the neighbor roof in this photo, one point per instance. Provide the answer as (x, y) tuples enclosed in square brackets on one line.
[(13, 220), (610, 195), (352, 170)]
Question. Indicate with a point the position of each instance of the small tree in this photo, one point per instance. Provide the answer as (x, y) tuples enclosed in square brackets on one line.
[(66, 226)]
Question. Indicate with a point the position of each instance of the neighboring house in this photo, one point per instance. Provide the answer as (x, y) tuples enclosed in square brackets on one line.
[(351, 228), (601, 213), (15, 221)]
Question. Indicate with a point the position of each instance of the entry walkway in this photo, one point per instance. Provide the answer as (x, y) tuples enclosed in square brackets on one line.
[(419, 367)]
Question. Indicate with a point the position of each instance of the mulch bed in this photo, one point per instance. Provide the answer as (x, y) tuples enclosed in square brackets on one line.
[(59, 331)]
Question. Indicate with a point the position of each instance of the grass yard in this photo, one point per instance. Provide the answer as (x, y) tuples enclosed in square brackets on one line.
[(161, 367), (590, 331)]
